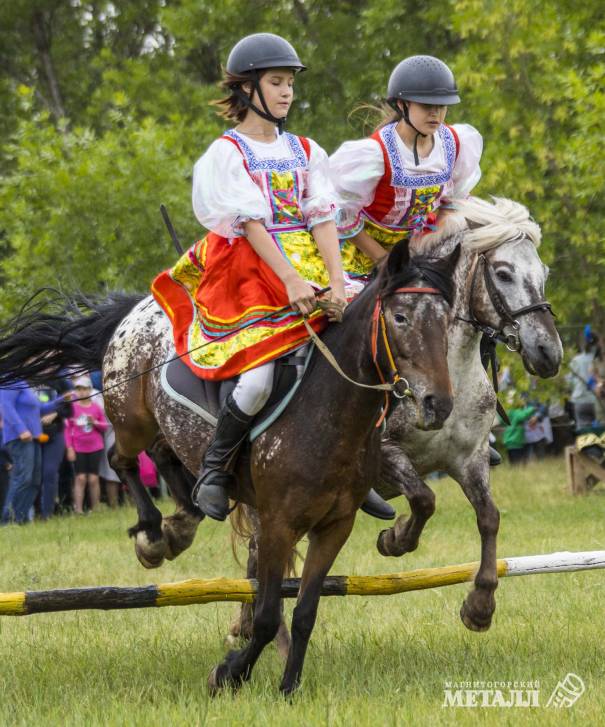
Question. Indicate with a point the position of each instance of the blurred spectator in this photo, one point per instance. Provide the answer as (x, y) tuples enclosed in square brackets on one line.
[(538, 432), (514, 434), (53, 450), (84, 440), (505, 379), (96, 379), (5, 466), (582, 379), (108, 475), (22, 428), (148, 474)]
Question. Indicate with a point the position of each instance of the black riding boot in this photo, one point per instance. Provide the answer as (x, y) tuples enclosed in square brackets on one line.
[(375, 506), (211, 488), (494, 457)]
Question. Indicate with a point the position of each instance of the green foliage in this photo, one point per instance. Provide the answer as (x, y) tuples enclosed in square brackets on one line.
[(82, 210), (105, 109)]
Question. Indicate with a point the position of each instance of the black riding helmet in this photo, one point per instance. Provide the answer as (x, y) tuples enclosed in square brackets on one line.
[(258, 52), (423, 79)]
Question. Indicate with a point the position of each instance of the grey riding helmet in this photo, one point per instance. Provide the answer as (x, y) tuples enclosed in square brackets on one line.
[(260, 51), (423, 79), (255, 53)]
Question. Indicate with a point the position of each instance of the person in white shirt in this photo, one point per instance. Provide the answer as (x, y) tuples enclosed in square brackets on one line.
[(391, 184), (235, 298)]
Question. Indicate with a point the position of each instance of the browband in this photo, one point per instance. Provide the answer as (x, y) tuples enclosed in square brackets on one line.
[(430, 291)]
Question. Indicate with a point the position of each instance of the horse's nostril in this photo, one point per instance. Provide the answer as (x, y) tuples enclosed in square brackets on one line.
[(544, 353)]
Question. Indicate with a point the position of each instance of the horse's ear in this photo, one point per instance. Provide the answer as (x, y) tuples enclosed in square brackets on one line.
[(398, 258)]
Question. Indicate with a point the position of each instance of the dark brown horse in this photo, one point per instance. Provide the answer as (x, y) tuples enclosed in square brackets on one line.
[(307, 474)]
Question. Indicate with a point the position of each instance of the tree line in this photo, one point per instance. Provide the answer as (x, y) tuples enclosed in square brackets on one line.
[(104, 110)]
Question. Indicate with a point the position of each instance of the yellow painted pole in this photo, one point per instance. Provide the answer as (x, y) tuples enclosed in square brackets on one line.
[(244, 590)]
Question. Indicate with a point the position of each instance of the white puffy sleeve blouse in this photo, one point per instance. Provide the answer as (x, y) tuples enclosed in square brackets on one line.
[(467, 171), (356, 167), (224, 196), (318, 203)]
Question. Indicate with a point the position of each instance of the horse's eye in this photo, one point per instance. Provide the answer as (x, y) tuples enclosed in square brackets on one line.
[(399, 318), (504, 276)]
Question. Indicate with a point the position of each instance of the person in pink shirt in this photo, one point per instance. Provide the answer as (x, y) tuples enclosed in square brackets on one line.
[(84, 441)]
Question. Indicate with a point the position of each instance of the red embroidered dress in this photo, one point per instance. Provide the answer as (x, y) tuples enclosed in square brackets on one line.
[(381, 190), (220, 284)]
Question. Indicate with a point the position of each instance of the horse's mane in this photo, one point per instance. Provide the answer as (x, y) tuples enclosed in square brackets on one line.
[(486, 225), (391, 274)]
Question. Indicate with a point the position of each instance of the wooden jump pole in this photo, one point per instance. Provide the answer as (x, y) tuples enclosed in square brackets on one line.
[(185, 593)]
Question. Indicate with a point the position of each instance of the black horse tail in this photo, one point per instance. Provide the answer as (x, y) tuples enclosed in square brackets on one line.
[(51, 334)]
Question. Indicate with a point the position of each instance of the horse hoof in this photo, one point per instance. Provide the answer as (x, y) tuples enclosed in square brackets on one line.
[(289, 690), (150, 555), (380, 543), (179, 532), (213, 684), (220, 678), (472, 621), (232, 641), (387, 545)]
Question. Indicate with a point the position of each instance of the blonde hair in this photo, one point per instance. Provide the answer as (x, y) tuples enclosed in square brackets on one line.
[(375, 116)]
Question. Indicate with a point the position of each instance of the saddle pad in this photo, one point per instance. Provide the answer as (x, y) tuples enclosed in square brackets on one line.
[(205, 398)]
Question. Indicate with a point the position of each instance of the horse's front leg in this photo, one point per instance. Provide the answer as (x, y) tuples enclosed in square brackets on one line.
[(275, 545), (398, 472), (149, 543), (479, 606), (180, 528), (324, 546)]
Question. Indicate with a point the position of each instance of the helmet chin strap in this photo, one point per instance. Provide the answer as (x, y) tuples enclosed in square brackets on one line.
[(265, 113), (405, 115)]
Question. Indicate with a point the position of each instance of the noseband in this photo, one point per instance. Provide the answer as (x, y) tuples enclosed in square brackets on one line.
[(400, 385), (508, 332)]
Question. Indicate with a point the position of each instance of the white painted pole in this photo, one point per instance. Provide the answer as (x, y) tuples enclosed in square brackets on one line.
[(527, 565)]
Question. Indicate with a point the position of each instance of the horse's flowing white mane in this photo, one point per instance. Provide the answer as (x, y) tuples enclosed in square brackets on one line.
[(497, 222)]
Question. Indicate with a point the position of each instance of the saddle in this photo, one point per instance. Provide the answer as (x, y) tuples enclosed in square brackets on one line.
[(206, 398)]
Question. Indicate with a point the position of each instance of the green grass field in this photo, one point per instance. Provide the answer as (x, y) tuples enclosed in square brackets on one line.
[(375, 661)]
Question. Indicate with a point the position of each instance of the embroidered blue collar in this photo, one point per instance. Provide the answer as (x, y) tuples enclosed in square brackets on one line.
[(399, 175), (298, 159)]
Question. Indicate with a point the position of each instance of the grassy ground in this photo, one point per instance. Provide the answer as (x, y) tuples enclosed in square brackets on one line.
[(381, 660)]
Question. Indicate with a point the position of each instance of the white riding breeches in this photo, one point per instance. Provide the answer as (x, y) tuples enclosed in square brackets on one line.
[(253, 388)]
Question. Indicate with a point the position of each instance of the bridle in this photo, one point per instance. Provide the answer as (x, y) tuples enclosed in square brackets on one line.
[(379, 324), (399, 385), (508, 331)]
